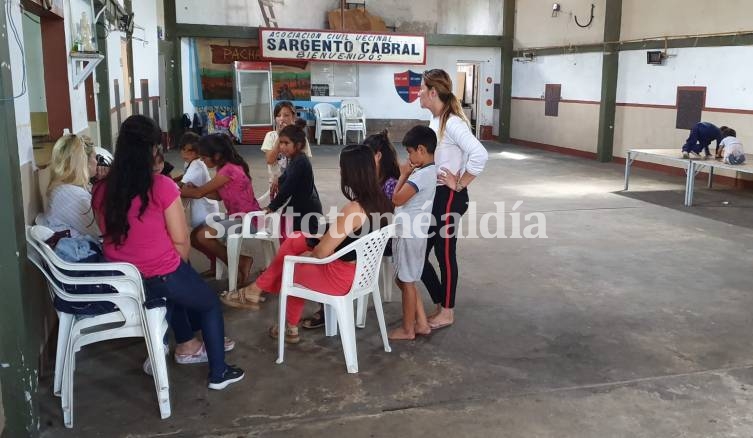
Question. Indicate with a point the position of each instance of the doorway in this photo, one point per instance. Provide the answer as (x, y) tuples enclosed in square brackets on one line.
[(466, 89)]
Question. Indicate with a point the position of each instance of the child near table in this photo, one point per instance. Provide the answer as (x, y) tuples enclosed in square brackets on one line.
[(731, 149)]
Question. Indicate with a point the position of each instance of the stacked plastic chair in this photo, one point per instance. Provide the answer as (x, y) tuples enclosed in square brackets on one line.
[(131, 318), (352, 118), (327, 119)]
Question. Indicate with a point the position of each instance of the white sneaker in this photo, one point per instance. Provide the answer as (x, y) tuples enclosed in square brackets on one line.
[(685, 155), (202, 356), (147, 366)]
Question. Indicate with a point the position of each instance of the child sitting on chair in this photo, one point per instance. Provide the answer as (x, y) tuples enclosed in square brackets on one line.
[(731, 149), (195, 173)]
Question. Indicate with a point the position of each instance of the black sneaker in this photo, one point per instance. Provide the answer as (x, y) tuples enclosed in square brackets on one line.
[(231, 375)]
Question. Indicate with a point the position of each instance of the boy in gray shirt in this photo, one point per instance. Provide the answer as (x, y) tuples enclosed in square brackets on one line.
[(413, 199)]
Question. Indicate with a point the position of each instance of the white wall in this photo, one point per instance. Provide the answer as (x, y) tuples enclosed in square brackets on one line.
[(32, 38), (114, 68), (576, 125), (379, 99), (730, 89), (470, 17), (726, 71), (247, 13), (185, 73), (579, 74), (145, 55), (652, 18), (23, 119), (475, 17), (535, 26)]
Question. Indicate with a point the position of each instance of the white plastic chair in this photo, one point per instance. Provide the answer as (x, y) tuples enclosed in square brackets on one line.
[(265, 235), (327, 119), (352, 119), (386, 278), (235, 245), (130, 319), (339, 309)]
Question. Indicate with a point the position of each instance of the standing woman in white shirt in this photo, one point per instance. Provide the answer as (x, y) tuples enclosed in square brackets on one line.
[(459, 159)]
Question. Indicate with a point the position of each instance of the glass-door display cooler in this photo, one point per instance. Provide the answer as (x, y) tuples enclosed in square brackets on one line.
[(253, 100)]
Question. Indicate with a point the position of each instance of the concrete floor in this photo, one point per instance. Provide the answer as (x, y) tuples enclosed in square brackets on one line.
[(632, 319)]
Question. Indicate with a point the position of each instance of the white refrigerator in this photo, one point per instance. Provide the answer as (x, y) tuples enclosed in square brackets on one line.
[(253, 100)]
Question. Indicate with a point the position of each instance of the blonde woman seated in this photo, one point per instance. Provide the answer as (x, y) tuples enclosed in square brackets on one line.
[(69, 193)]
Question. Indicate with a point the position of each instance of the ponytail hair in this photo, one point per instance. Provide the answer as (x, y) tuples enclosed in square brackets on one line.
[(440, 81), (219, 144)]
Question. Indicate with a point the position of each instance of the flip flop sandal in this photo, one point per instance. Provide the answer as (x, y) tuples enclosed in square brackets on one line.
[(439, 326), (291, 334), (233, 299), (315, 322)]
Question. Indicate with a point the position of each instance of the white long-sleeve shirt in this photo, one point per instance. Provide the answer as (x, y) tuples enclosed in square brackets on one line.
[(458, 150), (71, 209)]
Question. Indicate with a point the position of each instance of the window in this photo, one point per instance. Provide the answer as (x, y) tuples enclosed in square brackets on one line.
[(690, 103), (334, 79), (552, 95)]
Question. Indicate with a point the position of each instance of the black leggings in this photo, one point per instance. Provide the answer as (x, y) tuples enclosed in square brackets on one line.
[(448, 208)]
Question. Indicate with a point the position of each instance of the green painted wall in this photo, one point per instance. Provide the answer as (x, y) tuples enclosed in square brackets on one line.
[(2, 412), (20, 334)]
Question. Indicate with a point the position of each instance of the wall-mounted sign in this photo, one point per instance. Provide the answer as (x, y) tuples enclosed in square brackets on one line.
[(228, 54), (333, 46), (407, 85), (320, 89)]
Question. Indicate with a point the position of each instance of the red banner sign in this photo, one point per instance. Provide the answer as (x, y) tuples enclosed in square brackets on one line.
[(230, 54)]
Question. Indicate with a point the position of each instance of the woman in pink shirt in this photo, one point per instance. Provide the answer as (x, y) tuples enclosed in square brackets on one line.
[(141, 217), (232, 185)]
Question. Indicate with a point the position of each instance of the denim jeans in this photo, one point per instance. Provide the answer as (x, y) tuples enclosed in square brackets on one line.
[(187, 293), (736, 159)]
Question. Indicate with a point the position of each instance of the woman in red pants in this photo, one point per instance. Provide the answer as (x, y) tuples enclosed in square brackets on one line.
[(366, 212)]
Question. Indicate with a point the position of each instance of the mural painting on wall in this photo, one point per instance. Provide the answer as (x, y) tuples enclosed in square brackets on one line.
[(213, 61), (291, 82), (407, 85)]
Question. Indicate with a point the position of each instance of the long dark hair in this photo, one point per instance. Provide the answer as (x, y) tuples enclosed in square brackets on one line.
[(358, 180), (388, 166), (219, 145), (296, 136), (130, 174)]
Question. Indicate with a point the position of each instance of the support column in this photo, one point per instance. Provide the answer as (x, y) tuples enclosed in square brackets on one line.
[(102, 75), (173, 74), (612, 24), (18, 355), (505, 104), (131, 80)]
